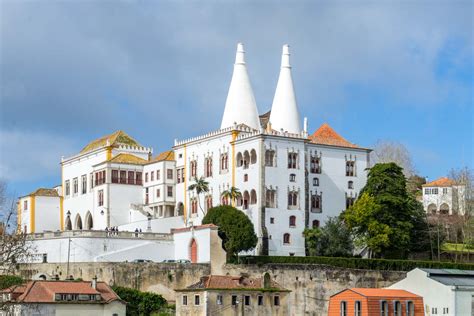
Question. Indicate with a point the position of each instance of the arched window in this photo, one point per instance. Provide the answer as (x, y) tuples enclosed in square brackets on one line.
[(432, 209), (444, 209), (78, 222), (208, 202), (270, 158), (193, 251), (246, 200), (253, 197), (350, 185), (224, 200), (193, 167), (194, 206), (350, 168), (253, 156), (292, 221), (286, 238), (240, 159), (208, 167), (246, 159), (270, 198), (292, 199), (89, 222), (315, 223), (246, 177), (180, 209), (315, 164), (316, 202), (224, 162), (397, 308), (68, 223)]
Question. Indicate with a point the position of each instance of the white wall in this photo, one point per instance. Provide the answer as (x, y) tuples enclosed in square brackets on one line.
[(47, 213), (182, 242)]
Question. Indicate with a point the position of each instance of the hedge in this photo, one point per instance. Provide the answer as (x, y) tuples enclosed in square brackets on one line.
[(357, 263)]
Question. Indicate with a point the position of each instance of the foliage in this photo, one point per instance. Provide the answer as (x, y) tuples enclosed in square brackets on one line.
[(332, 240), (140, 303), (8, 280), (385, 217), (414, 184), (388, 151), (232, 194), (235, 229), (357, 263), (200, 186)]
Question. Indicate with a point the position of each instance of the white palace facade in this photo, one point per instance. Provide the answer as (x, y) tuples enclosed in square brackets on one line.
[(289, 179)]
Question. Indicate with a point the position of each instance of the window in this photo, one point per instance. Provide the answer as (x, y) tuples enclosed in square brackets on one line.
[(169, 174), (100, 177), (276, 300), (260, 300), (292, 160), (83, 184), (427, 191), (178, 175), (358, 308), (315, 164), (123, 176), (246, 177), (350, 168), (349, 201), (286, 238), (219, 300), (434, 191), (350, 185), (193, 167), (194, 206), (397, 308), (152, 176), (158, 193), (225, 200), (234, 300), (445, 190), (68, 188), (115, 176), (292, 177), (383, 308), (208, 167), (343, 308), (247, 300), (75, 186), (146, 177), (292, 221), (158, 174), (316, 182), (100, 197), (315, 223), (270, 198), (138, 178), (410, 309), (269, 158), (316, 203), (224, 162), (253, 197), (292, 200), (169, 191), (131, 177), (146, 196), (91, 180), (196, 300), (272, 220)]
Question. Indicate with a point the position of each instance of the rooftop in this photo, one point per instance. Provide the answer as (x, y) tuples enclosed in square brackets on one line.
[(127, 159), (453, 277), (383, 292), (117, 138), (44, 192), (164, 156), (441, 182), (326, 135), (227, 282)]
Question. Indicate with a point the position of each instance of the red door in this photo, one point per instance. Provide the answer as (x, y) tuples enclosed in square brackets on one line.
[(193, 251)]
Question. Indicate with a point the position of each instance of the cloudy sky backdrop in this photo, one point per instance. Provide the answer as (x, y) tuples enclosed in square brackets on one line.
[(73, 71)]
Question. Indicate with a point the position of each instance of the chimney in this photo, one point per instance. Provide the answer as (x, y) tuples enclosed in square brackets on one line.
[(94, 283)]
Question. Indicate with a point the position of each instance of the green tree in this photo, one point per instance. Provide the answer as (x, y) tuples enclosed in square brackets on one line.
[(235, 229), (140, 303), (199, 186), (232, 194), (332, 240), (385, 217)]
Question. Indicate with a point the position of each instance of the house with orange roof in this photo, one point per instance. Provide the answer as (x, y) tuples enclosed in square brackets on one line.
[(375, 302), (62, 298), (444, 196), (233, 295)]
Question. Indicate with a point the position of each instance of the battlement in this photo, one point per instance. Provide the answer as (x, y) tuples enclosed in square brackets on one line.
[(240, 128)]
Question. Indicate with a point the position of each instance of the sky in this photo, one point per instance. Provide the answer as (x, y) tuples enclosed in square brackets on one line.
[(72, 71)]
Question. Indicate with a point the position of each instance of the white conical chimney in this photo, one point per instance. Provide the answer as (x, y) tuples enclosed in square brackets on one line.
[(285, 114), (240, 106)]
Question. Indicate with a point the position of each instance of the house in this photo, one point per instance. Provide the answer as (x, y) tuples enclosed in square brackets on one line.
[(62, 298), (445, 291), (233, 295), (444, 196), (375, 302)]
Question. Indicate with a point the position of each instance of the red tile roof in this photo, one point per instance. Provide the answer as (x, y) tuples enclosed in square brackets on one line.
[(44, 291), (383, 292), (441, 182), (326, 135)]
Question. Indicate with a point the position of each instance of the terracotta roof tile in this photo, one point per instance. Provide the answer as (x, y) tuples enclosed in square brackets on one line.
[(326, 135), (231, 282), (117, 138), (383, 292), (45, 192), (441, 182), (164, 156), (127, 159)]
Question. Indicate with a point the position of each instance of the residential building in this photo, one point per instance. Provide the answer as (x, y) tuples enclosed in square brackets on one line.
[(375, 302), (62, 298), (444, 291), (444, 196), (229, 295)]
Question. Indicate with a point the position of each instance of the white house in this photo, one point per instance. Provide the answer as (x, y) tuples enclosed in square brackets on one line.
[(290, 179), (444, 291), (444, 196)]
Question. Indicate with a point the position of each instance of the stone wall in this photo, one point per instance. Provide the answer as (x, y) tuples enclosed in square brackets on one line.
[(310, 285)]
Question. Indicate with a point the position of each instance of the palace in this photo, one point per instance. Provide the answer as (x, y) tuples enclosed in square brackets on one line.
[(289, 179)]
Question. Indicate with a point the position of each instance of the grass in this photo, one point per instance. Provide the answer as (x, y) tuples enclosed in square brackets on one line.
[(452, 247)]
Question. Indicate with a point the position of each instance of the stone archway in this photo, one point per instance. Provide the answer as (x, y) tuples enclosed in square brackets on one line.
[(431, 209), (89, 221), (444, 209)]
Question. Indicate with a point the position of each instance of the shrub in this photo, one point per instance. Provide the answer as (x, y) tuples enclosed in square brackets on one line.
[(140, 303), (8, 280)]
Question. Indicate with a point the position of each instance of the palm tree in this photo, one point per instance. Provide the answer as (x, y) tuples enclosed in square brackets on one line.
[(233, 194), (200, 186)]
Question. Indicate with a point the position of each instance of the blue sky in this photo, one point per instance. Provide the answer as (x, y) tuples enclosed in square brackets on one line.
[(74, 71)]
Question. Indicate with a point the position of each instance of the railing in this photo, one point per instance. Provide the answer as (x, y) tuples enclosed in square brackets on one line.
[(100, 234)]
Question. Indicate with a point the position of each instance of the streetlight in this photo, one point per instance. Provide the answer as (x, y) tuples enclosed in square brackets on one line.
[(149, 222)]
